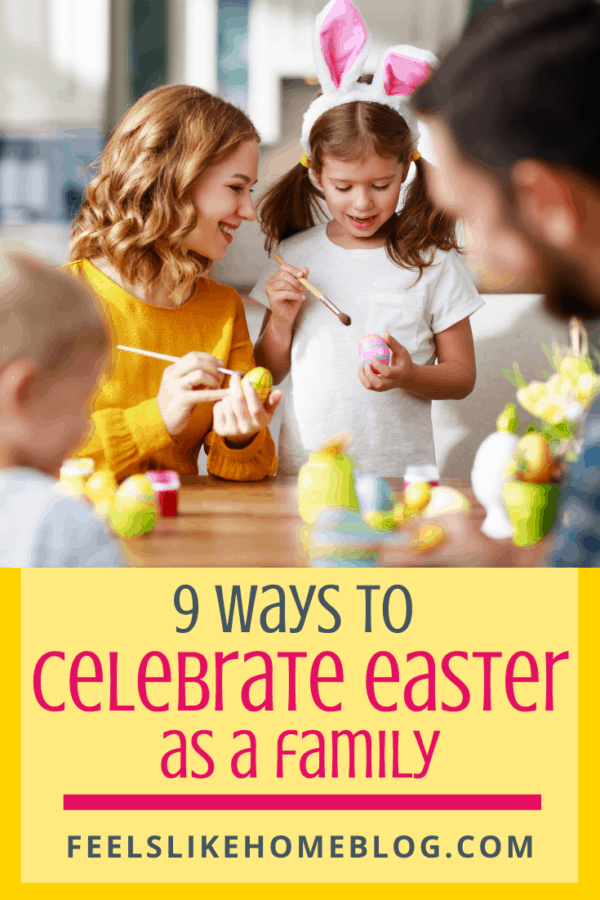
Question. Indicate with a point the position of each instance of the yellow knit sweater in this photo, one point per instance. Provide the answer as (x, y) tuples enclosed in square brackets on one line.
[(128, 434)]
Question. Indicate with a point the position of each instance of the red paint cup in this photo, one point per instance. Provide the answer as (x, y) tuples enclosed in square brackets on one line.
[(166, 487)]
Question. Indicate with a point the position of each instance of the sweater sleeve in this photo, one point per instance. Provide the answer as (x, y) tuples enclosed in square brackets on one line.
[(259, 459), (120, 438)]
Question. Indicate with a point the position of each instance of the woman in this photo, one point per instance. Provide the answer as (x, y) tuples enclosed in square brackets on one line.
[(174, 186)]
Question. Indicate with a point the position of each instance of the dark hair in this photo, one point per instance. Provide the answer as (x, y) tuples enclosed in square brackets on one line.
[(350, 132), (524, 82)]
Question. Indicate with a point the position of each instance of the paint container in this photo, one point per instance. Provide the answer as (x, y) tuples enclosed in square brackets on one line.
[(73, 475), (166, 487), (428, 474)]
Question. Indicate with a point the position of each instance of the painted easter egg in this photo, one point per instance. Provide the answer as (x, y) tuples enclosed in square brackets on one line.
[(372, 346), (374, 493), (134, 509), (132, 518), (261, 380), (137, 487), (101, 485)]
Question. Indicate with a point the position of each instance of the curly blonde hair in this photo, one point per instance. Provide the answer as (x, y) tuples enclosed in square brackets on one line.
[(138, 210)]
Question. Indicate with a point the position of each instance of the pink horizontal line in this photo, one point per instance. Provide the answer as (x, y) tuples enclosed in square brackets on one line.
[(302, 801)]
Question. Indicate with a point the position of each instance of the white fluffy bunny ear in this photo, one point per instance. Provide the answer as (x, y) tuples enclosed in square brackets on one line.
[(402, 69), (399, 73), (341, 46)]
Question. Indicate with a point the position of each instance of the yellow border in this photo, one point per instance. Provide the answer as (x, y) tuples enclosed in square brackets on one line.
[(589, 630)]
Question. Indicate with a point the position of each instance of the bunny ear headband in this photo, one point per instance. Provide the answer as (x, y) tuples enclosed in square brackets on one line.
[(341, 47)]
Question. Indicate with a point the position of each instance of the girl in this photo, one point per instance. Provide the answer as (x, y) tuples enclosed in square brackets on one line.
[(173, 188), (392, 268)]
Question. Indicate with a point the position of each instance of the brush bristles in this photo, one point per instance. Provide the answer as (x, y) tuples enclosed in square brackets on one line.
[(344, 319)]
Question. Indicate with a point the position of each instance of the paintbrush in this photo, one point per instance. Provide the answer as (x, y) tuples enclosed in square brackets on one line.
[(207, 396), (344, 319)]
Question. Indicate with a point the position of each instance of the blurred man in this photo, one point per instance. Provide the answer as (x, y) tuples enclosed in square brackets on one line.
[(514, 114)]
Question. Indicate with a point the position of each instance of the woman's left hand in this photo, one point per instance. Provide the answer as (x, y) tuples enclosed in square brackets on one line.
[(242, 415), (376, 376)]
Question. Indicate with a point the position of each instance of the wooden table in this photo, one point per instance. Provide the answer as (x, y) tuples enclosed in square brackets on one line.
[(226, 524)]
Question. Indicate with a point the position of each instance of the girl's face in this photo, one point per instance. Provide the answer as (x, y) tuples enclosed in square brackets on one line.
[(361, 196), (221, 194)]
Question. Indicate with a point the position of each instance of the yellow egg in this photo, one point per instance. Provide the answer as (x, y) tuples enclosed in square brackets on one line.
[(136, 487), (261, 380), (416, 496), (132, 518), (534, 459), (426, 538), (380, 521), (446, 500), (103, 506), (100, 485)]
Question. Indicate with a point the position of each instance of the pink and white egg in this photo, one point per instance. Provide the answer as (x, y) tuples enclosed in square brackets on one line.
[(372, 346)]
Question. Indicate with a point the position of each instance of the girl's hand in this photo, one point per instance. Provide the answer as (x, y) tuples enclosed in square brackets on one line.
[(376, 376), (177, 396), (242, 415), (285, 293)]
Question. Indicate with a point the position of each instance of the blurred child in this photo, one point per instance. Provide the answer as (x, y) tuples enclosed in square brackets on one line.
[(53, 346), (392, 266)]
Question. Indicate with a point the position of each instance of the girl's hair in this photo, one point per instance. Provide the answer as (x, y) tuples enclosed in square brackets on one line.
[(350, 132), (138, 211)]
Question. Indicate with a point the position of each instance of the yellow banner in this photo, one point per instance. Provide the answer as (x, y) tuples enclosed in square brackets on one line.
[(285, 726)]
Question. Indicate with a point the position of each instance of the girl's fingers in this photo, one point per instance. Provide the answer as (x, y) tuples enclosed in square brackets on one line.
[(275, 398), (287, 297), (289, 280), (373, 380), (380, 368), (363, 378)]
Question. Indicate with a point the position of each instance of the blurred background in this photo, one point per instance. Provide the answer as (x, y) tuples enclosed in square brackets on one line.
[(70, 68)]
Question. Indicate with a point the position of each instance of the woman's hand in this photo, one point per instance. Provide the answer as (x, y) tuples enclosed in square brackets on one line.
[(376, 376), (177, 395), (242, 415), (285, 293)]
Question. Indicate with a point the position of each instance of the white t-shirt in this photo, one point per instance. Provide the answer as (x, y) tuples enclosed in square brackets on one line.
[(41, 527), (390, 430)]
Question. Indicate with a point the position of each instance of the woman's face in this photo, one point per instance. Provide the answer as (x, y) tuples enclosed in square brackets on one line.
[(223, 200), (504, 257)]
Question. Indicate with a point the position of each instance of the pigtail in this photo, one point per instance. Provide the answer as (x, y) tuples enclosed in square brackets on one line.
[(420, 227), (290, 205)]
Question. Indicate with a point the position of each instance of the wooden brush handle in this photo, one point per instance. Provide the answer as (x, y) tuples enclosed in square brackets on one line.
[(309, 287)]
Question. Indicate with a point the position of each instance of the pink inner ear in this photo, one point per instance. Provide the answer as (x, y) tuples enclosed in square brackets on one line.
[(403, 74), (342, 37)]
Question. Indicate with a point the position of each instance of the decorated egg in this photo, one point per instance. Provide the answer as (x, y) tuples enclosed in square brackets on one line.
[(261, 380), (136, 487), (374, 493), (101, 485), (134, 509), (372, 346)]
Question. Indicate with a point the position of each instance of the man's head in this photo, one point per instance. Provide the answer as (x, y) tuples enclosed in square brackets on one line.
[(52, 346), (518, 96)]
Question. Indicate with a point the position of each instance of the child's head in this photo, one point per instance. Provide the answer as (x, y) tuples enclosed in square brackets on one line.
[(52, 348), (139, 212), (360, 157)]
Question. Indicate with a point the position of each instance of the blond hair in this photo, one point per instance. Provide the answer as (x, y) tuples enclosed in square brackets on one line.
[(45, 314), (138, 211)]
